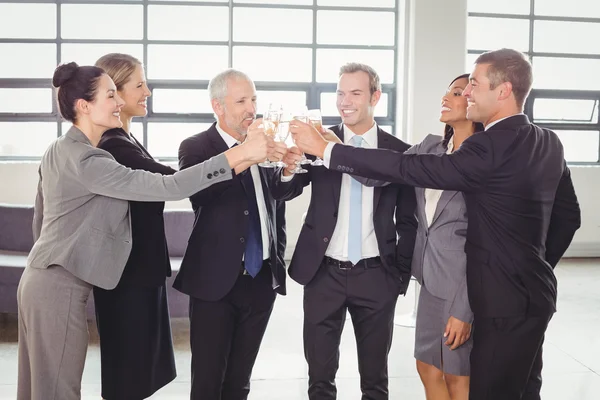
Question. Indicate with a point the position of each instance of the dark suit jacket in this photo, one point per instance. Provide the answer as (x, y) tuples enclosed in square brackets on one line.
[(520, 199), (148, 263), (396, 240), (213, 259)]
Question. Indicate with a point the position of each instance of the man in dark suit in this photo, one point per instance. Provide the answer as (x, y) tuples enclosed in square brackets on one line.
[(233, 266), (518, 191), (351, 255)]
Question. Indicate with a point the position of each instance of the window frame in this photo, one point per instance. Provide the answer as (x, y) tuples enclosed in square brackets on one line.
[(550, 93), (313, 88)]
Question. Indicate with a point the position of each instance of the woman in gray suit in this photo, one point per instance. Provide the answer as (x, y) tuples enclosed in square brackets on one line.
[(82, 228), (442, 337)]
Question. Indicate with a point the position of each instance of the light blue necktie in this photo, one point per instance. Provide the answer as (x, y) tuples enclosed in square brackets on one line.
[(355, 222)]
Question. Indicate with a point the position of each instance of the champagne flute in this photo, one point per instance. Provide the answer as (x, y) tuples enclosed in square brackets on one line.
[(314, 116), (300, 116), (271, 121)]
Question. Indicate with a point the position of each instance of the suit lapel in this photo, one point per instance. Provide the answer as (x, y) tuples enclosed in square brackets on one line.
[(140, 146), (336, 178), (382, 143), (446, 196)]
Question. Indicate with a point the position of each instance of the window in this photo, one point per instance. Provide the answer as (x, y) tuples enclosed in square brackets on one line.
[(560, 40), (292, 49)]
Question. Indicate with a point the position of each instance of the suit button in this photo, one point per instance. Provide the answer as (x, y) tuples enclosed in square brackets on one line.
[(222, 170), (326, 239), (339, 167), (351, 170), (246, 212), (216, 173), (242, 240), (209, 176)]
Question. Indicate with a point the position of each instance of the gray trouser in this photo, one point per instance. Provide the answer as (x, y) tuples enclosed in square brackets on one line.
[(53, 334)]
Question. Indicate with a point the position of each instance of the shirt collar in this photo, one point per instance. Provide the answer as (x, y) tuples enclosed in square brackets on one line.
[(369, 137), (501, 119), (227, 138), (450, 145)]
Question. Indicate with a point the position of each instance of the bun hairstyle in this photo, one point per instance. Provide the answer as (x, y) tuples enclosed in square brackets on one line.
[(73, 83), (448, 130)]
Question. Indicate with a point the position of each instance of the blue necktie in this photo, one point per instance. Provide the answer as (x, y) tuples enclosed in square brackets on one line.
[(253, 255), (355, 222)]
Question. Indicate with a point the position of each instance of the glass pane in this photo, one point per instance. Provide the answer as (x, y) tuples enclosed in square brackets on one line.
[(185, 62), (288, 100), (181, 101), (387, 128), (496, 33), (88, 54), (470, 62), (580, 146), (572, 8), (164, 138), (359, 29), (499, 7), (26, 100), (274, 64), (192, 22), (357, 3), (29, 139), (35, 60), (565, 110), (329, 62), (549, 37), (28, 21), (274, 25), (329, 107), (566, 73), (100, 21), (288, 2), (196, 1)]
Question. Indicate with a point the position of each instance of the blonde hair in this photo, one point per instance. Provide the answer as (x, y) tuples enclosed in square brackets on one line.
[(374, 83), (119, 67)]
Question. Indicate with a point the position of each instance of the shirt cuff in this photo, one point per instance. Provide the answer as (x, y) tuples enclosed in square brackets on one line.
[(286, 178), (327, 154)]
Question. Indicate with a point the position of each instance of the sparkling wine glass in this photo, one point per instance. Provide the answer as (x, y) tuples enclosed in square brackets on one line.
[(314, 116), (271, 120), (300, 116)]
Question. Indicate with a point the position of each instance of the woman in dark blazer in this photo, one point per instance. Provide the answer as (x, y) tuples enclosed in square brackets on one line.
[(444, 317), (133, 319)]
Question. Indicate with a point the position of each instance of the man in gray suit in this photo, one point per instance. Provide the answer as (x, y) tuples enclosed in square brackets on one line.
[(82, 229)]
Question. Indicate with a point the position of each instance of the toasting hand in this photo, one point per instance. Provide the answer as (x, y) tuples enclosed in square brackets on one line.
[(257, 146), (307, 138)]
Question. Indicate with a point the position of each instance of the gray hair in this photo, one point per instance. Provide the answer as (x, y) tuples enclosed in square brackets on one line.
[(217, 87), (374, 83)]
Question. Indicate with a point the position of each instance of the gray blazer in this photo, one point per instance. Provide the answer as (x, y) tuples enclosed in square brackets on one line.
[(439, 260), (81, 216)]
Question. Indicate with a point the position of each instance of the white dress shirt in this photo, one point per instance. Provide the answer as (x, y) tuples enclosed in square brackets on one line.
[(432, 196), (260, 198), (338, 244)]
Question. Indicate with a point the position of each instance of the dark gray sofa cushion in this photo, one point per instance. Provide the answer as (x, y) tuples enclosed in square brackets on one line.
[(15, 227)]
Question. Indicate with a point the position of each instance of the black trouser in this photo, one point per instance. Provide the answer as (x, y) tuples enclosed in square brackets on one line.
[(506, 357), (225, 337), (370, 295)]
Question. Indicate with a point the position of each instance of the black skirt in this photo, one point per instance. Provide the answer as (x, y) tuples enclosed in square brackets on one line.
[(136, 346)]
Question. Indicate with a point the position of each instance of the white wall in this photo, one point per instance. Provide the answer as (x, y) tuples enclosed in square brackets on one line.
[(436, 39)]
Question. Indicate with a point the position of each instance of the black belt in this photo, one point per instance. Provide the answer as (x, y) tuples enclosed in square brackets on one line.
[(266, 263), (372, 262)]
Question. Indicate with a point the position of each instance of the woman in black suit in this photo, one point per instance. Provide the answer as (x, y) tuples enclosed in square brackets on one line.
[(133, 319)]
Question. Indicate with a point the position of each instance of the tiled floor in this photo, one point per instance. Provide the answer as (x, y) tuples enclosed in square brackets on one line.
[(572, 350)]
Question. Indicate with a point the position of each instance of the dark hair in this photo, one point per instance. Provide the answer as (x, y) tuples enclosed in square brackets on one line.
[(507, 65), (73, 83), (448, 130)]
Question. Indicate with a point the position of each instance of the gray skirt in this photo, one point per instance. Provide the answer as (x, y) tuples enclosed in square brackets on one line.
[(432, 317)]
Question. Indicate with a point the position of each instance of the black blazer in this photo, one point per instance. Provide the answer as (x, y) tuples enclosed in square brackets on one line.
[(148, 264), (521, 206), (213, 259), (396, 240)]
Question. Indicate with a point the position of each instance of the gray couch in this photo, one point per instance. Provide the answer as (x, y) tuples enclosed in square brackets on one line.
[(16, 239)]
